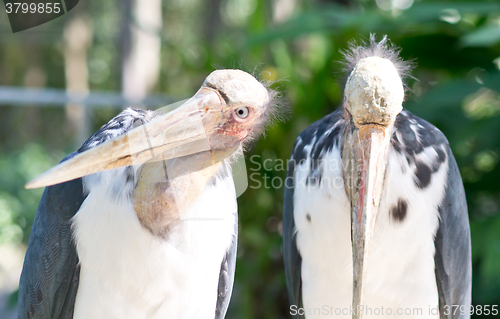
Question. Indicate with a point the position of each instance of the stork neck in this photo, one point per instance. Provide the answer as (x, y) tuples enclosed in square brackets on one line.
[(165, 190)]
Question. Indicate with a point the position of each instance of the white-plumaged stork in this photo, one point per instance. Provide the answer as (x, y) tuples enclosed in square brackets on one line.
[(375, 201), (141, 221)]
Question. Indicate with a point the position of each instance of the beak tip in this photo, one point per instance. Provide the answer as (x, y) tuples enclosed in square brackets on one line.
[(32, 184), (40, 181)]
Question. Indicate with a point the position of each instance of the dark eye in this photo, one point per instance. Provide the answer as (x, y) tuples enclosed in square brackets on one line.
[(242, 112)]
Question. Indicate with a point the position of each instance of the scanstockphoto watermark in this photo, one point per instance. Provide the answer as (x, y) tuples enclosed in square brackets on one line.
[(310, 174), (454, 310), (327, 310)]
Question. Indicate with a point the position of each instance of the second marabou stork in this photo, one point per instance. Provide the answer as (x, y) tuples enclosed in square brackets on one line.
[(375, 219), (141, 221)]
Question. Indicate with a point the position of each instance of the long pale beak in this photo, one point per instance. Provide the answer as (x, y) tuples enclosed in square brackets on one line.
[(366, 149), (187, 130)]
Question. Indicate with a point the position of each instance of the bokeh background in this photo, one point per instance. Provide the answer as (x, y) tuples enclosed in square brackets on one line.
[(61, 81)]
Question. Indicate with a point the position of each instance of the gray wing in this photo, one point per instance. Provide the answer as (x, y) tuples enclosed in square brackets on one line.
[(291, 256), (452, 258), (226, 276), (453, 247), (49, 279)]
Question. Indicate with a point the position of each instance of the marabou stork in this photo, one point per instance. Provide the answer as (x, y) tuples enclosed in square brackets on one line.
[(141, 221), (375, 201)]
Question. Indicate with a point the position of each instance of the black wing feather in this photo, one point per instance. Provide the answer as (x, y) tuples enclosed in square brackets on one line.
[(47, 289), (226, 276), (453, 247), (292, 258)]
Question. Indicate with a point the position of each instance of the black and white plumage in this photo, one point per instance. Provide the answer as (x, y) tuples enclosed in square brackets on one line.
[(155, 239), (419, 254)]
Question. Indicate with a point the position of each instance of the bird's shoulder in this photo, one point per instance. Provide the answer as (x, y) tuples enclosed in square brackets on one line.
[(117, 126), (319, 137), (416, 133), (423, 145)]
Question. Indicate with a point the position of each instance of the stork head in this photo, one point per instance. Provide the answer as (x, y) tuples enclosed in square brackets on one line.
[(229, 109), (373, 97), (246, 104)]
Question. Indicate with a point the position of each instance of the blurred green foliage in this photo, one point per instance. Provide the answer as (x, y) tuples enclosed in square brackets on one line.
[(456, 47), (16, 203)]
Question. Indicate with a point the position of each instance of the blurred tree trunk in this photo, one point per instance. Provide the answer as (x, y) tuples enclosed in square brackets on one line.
[(212, 20), (77, 40), (141, 43), (34, 77)]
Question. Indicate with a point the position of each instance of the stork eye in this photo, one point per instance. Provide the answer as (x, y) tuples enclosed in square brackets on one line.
[(242, 112)]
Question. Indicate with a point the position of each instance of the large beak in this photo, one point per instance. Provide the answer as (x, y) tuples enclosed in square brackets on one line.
[(187, 130), (365, 148)]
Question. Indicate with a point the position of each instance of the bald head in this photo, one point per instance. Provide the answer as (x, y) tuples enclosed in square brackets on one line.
[(238, 87), (374, 92)]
